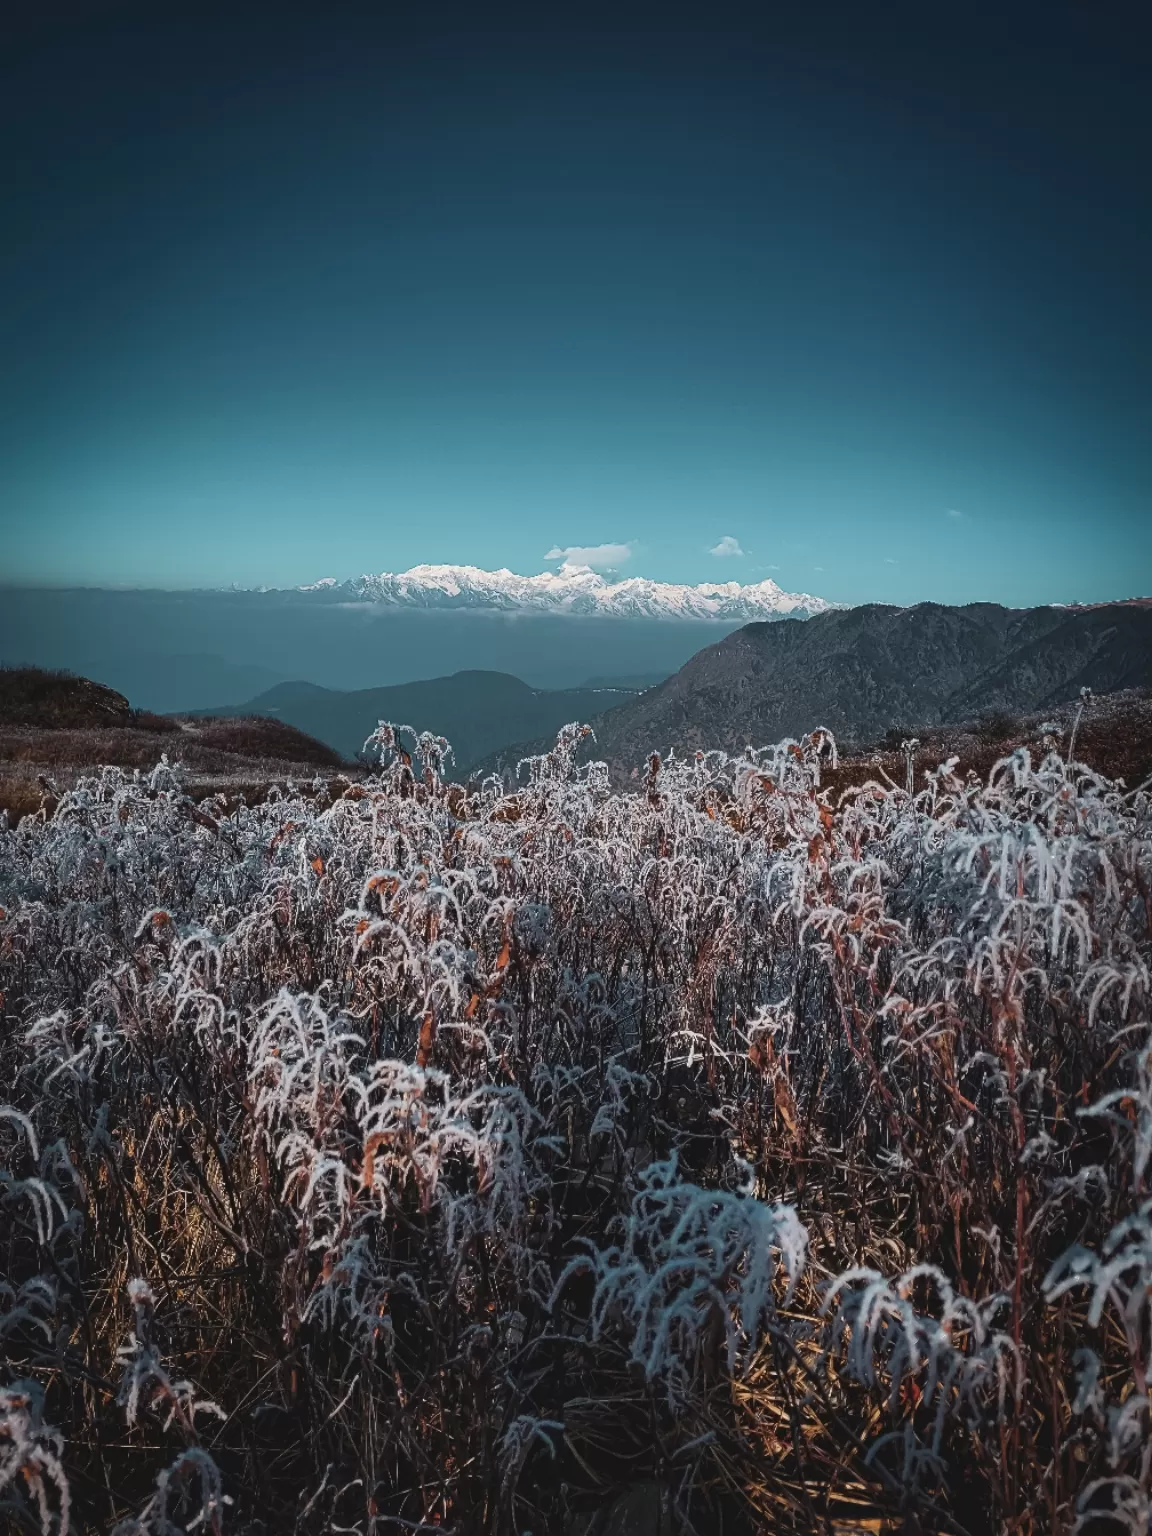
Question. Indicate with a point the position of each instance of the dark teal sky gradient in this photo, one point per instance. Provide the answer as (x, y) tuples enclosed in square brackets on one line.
[(864, 287)]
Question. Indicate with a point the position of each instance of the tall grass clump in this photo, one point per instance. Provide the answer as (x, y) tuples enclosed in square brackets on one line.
[(459, 1157)]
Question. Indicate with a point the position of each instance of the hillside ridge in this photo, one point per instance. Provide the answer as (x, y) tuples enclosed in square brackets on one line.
[(480, 711), (861, 672)]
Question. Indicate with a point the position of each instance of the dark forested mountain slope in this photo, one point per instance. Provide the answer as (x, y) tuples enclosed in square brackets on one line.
[(862, 671), (479, 712)]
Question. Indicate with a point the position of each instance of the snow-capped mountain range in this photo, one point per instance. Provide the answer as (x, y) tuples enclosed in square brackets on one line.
[(573, 589)]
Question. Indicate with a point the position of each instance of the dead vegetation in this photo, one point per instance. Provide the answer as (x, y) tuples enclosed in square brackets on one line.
[(422, 1157), (55, 728), (35, 696), (1113, 737)]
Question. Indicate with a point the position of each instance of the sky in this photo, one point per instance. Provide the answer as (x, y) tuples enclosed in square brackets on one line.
[(851, 296)]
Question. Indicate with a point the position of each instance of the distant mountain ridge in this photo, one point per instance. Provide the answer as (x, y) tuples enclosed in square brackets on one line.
[(479, 712), (573, 589), (863, 671), (193, 649)]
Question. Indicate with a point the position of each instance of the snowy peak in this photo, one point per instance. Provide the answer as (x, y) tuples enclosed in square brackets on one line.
[(574, 589)]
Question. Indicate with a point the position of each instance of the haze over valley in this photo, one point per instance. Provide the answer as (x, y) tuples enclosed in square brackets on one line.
[(189, 649)]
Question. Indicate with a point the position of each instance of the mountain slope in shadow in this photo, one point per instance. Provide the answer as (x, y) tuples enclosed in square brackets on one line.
[(864, 671), (479, 712)]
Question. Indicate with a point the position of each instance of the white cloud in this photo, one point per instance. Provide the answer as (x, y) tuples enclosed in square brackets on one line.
[(727, 546), (598, 557), (955, 512)]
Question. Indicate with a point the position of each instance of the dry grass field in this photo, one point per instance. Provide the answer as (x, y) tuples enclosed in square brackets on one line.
[(761, 1148), (55, 728)]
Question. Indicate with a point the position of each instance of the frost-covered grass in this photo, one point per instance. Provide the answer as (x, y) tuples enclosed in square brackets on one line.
[(452, 1158)]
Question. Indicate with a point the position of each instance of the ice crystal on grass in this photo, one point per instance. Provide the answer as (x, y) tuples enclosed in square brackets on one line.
[(147, 1383), (30, 1458), (487, 1146), (188, 1497), (692, 1279)]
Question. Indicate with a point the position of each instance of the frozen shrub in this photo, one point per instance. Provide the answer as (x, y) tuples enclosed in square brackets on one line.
[(30, 1458), (489, 1147), (694, 1269)]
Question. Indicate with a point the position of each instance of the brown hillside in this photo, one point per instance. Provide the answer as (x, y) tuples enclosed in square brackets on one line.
[(55, 728), (1114, 738), (57, 700)]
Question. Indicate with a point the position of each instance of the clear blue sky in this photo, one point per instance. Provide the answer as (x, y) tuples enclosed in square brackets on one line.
[(864, 289)]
